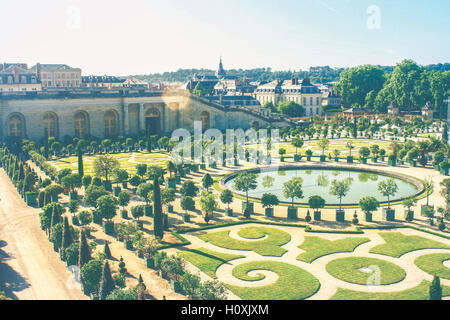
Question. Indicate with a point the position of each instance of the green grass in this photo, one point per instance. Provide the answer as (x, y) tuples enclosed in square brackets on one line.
[(127, 161), (208, 261), (348, 270), (417, 293), (316, 247), (398, 244), (434, 264), (269, 246), (293, 282)]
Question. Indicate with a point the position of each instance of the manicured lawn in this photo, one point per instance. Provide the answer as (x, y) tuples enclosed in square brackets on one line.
[(339, 144), (206, 260), (398, 244), (127, 161), (349, 270), (421, 292), (316, 247), (269, 246), (434, 264), (293, 283)]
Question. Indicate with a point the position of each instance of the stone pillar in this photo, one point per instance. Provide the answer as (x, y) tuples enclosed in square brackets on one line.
[(141, 117), (126, 121)]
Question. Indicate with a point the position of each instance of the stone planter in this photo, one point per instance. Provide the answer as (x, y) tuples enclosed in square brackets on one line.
[(213, 165), (392, 162), (124, 214), (408, 215), (374, 159), (108, 227), (336, 159), (172, 184), (317, 215), (269, 212), (170, 209), (177, 179), (368, 217), (117, 191), (297, 157), (96, 218), (203, 166), (148, 211), (107, 185), (388, 214), (128, 244), (250, 205), (349, 159), (186, 218), (308, 158), (229, 212), (363, 160), (340, 215), (236, 162), (292, 213), (149, 262), (124, 185)]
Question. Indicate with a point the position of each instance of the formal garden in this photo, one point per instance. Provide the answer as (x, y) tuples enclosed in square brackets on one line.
[(353, 213)]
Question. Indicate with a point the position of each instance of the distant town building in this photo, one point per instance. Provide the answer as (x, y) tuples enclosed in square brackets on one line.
[(393, 109), (427, 112), (355, 113), (301, 92), (16, 77), (57, 75), (331, 98), (133, 82), (108, 82)]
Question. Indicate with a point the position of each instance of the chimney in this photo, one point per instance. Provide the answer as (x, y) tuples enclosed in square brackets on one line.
[(293, 80), (38, 70)]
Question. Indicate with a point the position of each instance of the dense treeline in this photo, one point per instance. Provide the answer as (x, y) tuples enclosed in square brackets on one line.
[(409, 84), (320, 74)]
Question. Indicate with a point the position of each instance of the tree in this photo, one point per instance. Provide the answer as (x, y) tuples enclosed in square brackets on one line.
[(187, 204), (207, 181), (435, 289), (85, 218), (408, 204), (121, 175), (80, 162), (91, 274), (73, 206), (171, 168), (104, 165), (107, 283), (350, 147), (340, 189), (323, 144), (226, 197), (167, 196), (157, 208), (141, 169), (189, 189), (364, 152), (208, 203), (245, 182), (92, 194), (137, 212), (356, 83), (269, 200), (84, 255), (124, 199), (293, 189), (388, 188), (107, 251), (107, 206), (368, 204), (143, 191), (67, 238), (291, 108), (86, 181), (71, 181), (428, 185), (297, 142), (316, 202)]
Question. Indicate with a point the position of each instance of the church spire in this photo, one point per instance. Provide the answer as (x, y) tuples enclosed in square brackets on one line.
[(221, 71)]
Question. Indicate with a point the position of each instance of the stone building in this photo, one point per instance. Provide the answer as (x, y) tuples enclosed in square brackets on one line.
[(302, 92), (57, 75), (16, 77), (109, 113)]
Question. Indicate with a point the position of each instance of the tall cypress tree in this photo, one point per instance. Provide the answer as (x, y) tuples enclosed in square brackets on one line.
[(84, 255), (45, 144), (158, 215), (67, 238), (435, 289), (107, 251), (56, 218), (107, 283), (80, 162)]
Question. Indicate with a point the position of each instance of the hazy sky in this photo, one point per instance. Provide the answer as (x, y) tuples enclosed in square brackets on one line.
[(145, 36)]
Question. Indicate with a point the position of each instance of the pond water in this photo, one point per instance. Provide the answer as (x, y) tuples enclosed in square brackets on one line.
[(318, 182)]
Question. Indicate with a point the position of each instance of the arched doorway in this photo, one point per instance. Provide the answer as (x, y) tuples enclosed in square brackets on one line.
[(255, 125), (81, 124), (205, 120), (153, 121), (16, 126), (50, 124), (111, 127)]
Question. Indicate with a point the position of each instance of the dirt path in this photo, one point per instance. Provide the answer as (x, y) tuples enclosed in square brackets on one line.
[(29, 268)]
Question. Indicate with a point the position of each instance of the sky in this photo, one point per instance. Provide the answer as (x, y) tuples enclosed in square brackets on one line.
[(147, 36)]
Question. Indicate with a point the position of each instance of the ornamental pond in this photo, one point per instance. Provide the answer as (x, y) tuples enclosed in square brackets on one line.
[(317, 181)]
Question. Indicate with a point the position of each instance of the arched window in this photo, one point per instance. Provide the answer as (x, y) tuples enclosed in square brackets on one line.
[(205, 120), (15, 126), (110, 124), (50, 124), (81, 125)]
